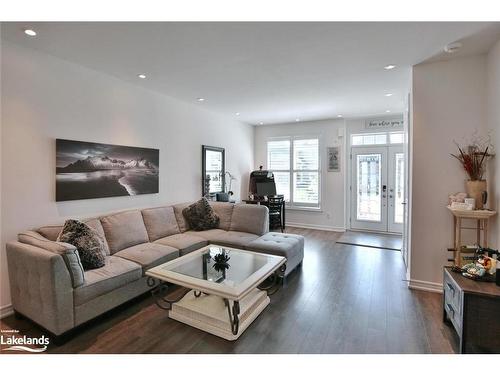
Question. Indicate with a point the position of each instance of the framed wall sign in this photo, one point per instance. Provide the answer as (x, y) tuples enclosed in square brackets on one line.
[(333, 159), (384, 124)]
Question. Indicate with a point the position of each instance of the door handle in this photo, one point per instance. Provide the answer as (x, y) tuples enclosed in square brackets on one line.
[(452, 311), (450, 287)]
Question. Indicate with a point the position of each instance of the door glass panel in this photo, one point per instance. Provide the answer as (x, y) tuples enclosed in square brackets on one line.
[(399, 191), (357, 140), (397, 138), (380, 139), (369, 168)]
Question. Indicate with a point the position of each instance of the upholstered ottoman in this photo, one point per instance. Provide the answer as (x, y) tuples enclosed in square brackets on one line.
[(290, 246)]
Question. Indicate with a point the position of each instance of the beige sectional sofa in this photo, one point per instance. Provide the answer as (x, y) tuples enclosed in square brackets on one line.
[(49, 286)]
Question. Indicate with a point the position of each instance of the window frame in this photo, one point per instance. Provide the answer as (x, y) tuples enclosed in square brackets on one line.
[(386, 134), (291, 204)]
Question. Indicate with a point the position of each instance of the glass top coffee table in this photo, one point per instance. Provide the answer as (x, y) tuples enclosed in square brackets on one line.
[(225, 288)]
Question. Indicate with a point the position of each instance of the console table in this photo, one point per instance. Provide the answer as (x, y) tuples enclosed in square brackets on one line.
[(473, 308)]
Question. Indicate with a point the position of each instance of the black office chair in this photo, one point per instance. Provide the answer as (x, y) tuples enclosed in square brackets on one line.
[(275, 205)]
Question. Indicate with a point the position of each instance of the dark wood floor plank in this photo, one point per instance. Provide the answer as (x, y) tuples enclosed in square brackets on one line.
[(344, 299)]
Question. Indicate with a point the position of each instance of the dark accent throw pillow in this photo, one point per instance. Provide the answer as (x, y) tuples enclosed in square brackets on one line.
[(89, 243), (201, 216)]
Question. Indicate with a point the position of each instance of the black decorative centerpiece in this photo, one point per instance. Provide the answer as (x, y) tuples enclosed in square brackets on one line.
[(221, 261), (215, 264)]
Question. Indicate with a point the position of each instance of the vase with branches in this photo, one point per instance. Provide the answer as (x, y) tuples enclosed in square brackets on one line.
[(473, 157)]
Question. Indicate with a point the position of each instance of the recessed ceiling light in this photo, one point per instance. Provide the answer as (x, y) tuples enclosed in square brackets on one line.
[(237, 113), (261, 123), (388, 111), (30, 32), (389, 67), (297, 119), (141, 76), (201, 99), (339, 115), (389, 94)]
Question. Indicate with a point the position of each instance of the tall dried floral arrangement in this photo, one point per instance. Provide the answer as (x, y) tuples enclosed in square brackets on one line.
[(474, 155)]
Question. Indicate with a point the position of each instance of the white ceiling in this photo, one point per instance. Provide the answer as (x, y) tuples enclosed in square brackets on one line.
[(269, 72)]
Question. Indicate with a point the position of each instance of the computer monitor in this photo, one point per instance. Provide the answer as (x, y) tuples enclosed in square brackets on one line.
[(267, 188)]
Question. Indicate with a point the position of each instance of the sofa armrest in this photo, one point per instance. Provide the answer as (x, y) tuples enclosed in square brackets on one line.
[(68, 252), (250, 218), (40, 286)]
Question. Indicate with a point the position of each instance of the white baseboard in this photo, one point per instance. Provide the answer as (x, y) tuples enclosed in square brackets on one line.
[(314, 226), (428, 286), (5, 311)]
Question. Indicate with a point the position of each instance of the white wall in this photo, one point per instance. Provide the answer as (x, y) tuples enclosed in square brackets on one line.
[(449, 102), (493, 66), (44, 98), (332, 214)]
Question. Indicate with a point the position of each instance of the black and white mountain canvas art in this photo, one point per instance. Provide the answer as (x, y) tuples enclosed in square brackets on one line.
[(87, 170)]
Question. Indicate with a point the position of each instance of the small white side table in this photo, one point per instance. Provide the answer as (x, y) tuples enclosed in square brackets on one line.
[(481, 216)]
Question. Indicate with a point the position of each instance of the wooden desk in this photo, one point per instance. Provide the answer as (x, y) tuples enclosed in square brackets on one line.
[(473, 308), (266, 203)]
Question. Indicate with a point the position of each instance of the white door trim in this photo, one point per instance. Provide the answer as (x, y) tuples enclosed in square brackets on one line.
[(392, 226)]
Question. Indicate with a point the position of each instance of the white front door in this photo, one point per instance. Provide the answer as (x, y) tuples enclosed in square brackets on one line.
[(369, 188), (377, 188)]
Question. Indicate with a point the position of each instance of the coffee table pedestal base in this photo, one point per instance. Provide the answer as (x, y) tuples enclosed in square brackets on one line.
[(209, 313)]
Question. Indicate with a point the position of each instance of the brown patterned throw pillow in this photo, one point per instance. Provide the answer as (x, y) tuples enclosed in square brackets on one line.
[(89, 243), (201, 216)]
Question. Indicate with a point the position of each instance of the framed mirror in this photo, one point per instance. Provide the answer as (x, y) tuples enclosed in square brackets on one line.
[(213, 170)]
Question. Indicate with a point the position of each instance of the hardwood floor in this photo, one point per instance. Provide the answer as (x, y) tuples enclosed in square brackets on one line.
[(368, 239), (345, 299)]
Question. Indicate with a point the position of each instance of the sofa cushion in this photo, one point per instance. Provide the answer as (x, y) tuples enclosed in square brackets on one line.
[(160, 222), (89, 243), (234, 239), (209, 235), (50, 232), (148, 254), (250, 218), (201, 216), (283, 244), (124, 229), (224, 211), (181, 220), (68, 252), (184, 242), (97, 226), (116, 273)]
